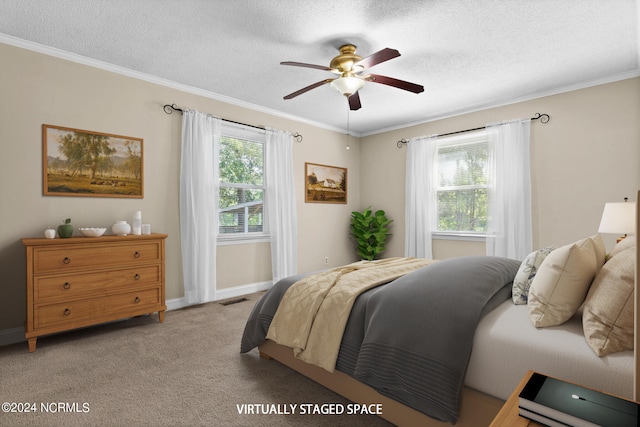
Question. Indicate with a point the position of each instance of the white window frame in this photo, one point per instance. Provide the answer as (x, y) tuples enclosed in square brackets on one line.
[(250, 134), (469, 138)]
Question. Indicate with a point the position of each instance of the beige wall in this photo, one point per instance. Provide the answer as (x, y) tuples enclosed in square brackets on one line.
[(587, 154), (40, 89)]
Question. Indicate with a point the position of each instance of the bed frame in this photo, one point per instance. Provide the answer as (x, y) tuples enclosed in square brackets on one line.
[(476, 409)]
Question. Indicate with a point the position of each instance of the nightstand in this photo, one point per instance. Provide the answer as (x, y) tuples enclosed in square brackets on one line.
[(566, 403), (509, 414)]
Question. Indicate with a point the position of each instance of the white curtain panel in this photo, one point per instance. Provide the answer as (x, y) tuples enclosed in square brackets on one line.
[(420, 197), (509, 231), (199, 188), (280, 204)]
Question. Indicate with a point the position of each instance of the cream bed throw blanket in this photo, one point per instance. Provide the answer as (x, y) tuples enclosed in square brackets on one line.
[(314, 311)]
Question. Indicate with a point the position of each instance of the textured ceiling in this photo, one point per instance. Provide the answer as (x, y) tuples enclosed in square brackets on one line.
[(468, 54)]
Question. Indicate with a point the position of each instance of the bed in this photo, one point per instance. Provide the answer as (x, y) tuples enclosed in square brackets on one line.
[(473, 375)]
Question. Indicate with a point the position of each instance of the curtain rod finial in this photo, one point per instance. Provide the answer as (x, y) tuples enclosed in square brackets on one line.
[(544, 118), (170, 108)]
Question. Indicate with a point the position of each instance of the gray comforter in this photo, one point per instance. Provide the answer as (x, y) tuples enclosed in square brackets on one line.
[(411, 339)]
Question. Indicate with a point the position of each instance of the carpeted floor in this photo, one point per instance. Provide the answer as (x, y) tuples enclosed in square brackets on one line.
[(185, 372)]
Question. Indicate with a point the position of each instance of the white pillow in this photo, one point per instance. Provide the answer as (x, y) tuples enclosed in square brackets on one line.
[(607, 318), (562, 283), (526, 273)]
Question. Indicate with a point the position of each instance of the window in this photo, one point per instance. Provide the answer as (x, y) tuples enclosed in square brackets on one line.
[(241, 207), (462, 165)]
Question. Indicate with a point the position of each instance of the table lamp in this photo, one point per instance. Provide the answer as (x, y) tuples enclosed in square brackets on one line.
[(618, 218)]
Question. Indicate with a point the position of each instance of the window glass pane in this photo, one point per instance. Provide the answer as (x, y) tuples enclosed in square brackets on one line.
[(462, 210), (241, 161), (464, 164), (241, 210)]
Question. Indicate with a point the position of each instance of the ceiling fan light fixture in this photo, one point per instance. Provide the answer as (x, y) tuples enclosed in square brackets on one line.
[(347, 85)]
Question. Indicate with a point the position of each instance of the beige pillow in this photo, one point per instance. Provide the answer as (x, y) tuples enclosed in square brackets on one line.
[(600, 250), (607, 317), (626, 243), (561, 283)]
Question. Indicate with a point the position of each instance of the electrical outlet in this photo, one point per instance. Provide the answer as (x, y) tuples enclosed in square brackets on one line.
[(326, 260)]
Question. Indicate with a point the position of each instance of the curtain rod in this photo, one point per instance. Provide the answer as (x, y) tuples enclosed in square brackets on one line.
[(170, 108), (544, 118)]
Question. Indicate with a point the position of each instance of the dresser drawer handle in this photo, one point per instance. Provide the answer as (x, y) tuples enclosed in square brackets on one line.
[(66, 260), (137, 276), (67, 312), (137, 300), (67, 285), (136, 254)]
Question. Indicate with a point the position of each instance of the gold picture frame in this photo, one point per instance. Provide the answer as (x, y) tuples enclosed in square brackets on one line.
[(85, 163), (325, 184)]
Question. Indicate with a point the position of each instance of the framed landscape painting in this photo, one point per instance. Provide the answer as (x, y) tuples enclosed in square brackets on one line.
[(86, 163), (325, 184)]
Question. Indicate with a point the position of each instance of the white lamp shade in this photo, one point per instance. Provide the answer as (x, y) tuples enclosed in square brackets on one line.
[(618, 218), (347, 85)]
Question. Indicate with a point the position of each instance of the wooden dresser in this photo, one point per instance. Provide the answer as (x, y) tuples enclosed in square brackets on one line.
[(82, 281)]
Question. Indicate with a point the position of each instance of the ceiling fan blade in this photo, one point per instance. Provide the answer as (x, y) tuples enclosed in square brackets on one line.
[(308, 88), (378, 57), (302, 64), (354, 102), (400, 84)]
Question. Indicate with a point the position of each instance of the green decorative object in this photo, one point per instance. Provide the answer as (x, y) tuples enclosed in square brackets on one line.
[(371, 230), (65, 230)]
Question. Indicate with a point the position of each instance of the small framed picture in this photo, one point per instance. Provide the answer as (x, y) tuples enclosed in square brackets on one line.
[(325, 184), (85, 163)]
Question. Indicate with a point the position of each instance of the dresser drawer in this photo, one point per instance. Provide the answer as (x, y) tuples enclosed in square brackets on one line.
[(77, 313), (79, 257), (73, 286)]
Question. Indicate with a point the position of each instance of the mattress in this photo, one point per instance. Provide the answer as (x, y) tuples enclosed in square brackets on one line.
[(506, 345)]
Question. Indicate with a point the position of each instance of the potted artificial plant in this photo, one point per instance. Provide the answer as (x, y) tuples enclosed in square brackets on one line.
[(66, 229), (371, 230)]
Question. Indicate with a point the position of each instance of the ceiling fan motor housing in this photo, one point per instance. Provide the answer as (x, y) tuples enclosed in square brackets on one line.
[(346, 60)]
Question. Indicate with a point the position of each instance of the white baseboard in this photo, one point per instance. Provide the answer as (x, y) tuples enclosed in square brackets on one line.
[(238, 291), (15, 335), (222, 294)]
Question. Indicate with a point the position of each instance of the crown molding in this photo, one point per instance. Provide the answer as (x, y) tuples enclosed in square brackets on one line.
[(80, 59), (501, 103), (73, 57)]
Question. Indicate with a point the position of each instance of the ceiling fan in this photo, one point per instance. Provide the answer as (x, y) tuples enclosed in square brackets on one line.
[(350, 69)]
